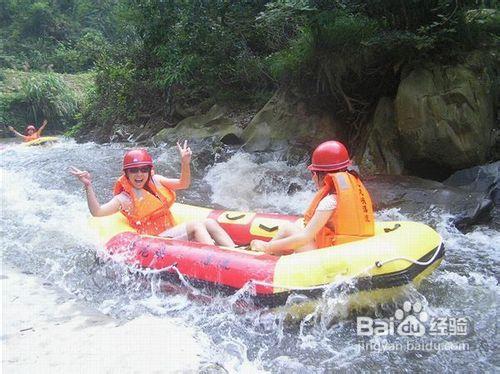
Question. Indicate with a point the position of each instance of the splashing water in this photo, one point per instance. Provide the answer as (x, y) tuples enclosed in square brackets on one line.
[(44, 233)]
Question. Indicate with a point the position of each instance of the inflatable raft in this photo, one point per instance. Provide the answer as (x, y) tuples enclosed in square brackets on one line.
[(375, 268), (42, 140)]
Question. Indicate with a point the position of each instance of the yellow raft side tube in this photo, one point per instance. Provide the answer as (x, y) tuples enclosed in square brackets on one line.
[(406, 240), (41, 140)]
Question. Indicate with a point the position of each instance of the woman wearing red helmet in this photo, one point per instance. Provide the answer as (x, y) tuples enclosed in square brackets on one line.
[(340, 212), (145, 199), (30, 133)]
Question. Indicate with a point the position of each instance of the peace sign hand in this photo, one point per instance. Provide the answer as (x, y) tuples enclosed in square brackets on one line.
[(185, 152), (82, 175)]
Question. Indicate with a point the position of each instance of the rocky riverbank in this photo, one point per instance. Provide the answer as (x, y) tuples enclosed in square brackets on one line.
[(442, 119)]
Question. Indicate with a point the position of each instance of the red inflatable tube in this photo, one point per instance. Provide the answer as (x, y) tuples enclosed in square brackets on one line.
[(212, 264)]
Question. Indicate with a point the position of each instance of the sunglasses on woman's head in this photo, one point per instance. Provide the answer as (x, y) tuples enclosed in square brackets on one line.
[(144, 169)]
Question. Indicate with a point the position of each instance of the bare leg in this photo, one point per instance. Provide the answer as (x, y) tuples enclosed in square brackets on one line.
[(289, 229), (198, 232), (286, 230), (220, 236)]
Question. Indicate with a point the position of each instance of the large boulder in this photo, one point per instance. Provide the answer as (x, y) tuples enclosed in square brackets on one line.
[(421, 197), (284, 125), (214, 125), (483, 178), (382, 153), (445, 118)]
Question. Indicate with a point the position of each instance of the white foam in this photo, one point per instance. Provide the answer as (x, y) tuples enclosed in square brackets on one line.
[(47, 334), (241, 183)]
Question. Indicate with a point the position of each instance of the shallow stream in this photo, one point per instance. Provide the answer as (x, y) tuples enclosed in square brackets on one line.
[(47, 247)]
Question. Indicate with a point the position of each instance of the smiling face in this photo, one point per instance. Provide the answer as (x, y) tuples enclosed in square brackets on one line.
[(30, 130), (138, 176)]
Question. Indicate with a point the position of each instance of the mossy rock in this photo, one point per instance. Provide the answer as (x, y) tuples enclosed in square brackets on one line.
[(445, 118), (382, 153), (213, 124), (284, 123)]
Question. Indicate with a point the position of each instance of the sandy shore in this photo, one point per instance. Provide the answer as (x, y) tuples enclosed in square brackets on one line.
[(45, 330)]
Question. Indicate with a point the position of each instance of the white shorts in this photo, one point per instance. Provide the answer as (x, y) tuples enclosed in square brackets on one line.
[(178, 232)]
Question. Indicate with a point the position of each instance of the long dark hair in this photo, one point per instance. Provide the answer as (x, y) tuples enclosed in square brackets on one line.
[(322, 174)]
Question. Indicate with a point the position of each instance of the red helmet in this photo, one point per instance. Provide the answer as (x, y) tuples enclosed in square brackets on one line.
[(136, 158), (330, 156), (30, 127)]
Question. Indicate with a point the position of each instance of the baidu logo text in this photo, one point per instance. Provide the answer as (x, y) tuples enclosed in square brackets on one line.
[(409, 321)]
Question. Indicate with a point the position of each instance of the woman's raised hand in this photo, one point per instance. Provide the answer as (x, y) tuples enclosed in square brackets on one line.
[(184, 151), (82, 175)]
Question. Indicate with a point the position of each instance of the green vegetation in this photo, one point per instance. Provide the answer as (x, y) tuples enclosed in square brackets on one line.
[(341, 55), (345, 55), (148, 56), (31, 97), (66, 36)]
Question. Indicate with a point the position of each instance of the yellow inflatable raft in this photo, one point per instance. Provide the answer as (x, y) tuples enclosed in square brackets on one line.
[(376, 269), (42, 140)]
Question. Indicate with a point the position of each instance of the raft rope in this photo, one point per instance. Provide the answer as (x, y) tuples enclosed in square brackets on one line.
[(378, 264)]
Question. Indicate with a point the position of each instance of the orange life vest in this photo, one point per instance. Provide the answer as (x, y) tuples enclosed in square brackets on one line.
[(352, 219), (29, 138), (150, 214)]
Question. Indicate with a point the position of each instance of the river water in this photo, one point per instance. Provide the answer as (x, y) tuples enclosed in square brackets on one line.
[(64, 310)]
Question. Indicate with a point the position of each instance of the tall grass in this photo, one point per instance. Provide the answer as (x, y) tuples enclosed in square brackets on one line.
[(40, 96)]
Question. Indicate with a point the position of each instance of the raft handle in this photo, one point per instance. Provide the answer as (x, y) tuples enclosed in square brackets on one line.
[(235, 218), (377, 264), (396, 226), (268, 229), (438, 250)]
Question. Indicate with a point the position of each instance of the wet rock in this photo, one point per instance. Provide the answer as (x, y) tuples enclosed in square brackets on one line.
[(208, 153), (120, 135), (416, 195), (231, 139), (445, 118), (212, 125), (484, 180), (382, 153), (481, 214), (293, 188), (285, 123), (297, 154)]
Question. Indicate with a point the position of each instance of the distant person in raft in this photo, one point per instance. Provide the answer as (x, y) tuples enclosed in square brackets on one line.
[(145, 199), (340, 212), (30, 133)]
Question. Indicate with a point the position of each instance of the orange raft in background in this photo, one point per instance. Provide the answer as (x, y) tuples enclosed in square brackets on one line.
[(377, 267)]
